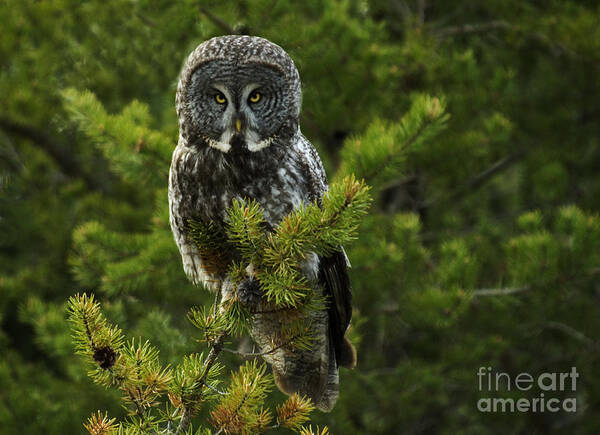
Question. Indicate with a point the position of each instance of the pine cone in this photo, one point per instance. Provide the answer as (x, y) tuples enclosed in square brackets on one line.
[(249, 291)]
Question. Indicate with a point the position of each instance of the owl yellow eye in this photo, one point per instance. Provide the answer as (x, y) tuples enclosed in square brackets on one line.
[(220, 98), (255, 97)]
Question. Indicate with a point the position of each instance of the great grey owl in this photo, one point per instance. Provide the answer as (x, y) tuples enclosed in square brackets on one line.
[(238, 103)]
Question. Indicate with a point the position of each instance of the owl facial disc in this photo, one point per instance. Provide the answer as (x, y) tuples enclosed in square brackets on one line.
[(238, 122), (238, 95)]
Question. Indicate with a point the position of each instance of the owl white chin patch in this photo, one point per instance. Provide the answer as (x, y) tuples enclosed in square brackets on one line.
[(221, 146), (225, 147), (257, 146)]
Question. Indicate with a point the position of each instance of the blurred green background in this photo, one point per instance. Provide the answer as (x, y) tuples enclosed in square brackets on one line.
[(481, 249)]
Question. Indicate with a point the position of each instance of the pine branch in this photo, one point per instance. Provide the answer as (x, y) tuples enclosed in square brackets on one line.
[(219, 22), (573, 333), (134, 368), (132, 149), (272, 350), (94, 339), (473, 28), (188, 413), (99, 424), (294, 412), (313, 228), (500, 291), (215, 249), (556, 48), (379, 154), (216, 390), (239, 410), (60, 153), (276, 256), (308, 430), (477, 181), (246, 229), (376, 170), (144, 19)]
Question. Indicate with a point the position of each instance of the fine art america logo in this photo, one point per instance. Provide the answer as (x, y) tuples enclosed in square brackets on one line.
[(550, 384)]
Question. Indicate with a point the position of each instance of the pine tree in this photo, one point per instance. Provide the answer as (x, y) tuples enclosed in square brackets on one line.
[(480, 247), (134, 368)]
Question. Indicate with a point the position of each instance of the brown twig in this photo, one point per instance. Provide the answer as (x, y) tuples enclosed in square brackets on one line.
[(473, 28), (187, 415), (500, 291), (421, 6), (478, 180), (250, 354), (572, 332), (555, 47), (223, 25), (147, 21)]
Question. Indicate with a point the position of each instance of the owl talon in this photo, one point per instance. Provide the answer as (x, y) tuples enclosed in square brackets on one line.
[(249, 291)]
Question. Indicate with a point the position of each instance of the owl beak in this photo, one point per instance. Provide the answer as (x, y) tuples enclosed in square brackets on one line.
[(238, 125)]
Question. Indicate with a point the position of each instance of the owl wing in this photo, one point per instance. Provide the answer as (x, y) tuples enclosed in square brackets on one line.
[(333, 270), (333, 276)]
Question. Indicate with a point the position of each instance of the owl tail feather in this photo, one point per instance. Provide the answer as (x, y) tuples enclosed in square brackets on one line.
[(347, 354), (319, 383), (347, 358), (327, 400)]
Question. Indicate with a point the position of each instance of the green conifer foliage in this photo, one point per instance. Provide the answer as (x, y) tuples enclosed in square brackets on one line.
[(134, 368), (474, 123)]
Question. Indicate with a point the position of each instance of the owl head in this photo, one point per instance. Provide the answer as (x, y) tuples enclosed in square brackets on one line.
[(238, 94)]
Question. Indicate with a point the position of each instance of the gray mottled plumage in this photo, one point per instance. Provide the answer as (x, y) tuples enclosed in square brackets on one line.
[(235, 144)]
